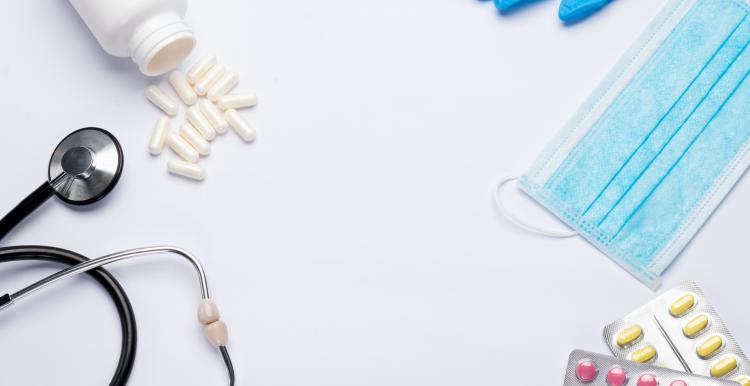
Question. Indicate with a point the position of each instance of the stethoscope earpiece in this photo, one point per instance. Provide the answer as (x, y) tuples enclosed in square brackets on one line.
[(85, 166)]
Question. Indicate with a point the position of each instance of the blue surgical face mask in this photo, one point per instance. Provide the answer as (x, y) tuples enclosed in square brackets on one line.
[(654, 151)]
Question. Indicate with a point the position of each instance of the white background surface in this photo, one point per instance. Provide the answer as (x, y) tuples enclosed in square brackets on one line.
[(355, 242)]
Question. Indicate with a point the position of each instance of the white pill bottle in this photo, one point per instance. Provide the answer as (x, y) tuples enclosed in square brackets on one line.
[(151, 32)]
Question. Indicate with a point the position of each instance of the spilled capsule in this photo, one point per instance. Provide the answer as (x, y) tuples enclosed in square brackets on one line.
[(196, 139), (160, 99), (226, 82), (237, 101), (184, 149), (186, 169), (200, 123), (159, 136), (240, 125), (183, 88), (200, 68), (214, 115), (208, 79)]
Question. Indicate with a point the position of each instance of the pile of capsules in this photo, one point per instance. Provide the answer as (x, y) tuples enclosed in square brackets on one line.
[(677, 339), (204, 90)]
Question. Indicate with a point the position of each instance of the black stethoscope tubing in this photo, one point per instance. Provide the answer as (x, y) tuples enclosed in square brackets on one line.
[(107, 281), (66, 257)]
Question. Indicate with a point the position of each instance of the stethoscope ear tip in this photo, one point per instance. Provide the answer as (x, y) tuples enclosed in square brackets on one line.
[(85, 166)]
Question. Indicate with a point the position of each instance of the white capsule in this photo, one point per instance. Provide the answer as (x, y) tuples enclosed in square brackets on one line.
[(214, 115), (161, 100), (186, 169), (184, 149), (159, 136), (183, 88), (208, 79), (195, 138), (217, 333), (200, 68), (240, 125), (222, 86), (237, 101), (200, 123)]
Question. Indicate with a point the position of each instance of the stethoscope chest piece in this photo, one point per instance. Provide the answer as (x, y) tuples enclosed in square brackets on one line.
[(85, 166)]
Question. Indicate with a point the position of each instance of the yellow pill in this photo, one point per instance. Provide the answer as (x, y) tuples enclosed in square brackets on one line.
[(724, 367), (682, 305), (743, 380), (695, 326), (710, 346), (629, 335), (643, 354)]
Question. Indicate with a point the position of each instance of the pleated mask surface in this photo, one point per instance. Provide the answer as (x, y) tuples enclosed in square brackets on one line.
[(660, 143)]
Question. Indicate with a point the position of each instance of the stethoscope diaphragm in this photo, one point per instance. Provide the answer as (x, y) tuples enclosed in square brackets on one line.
[(85, 166)]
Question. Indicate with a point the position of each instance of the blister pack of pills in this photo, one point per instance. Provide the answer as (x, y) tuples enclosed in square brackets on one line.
[(587, 368), (679, 330)]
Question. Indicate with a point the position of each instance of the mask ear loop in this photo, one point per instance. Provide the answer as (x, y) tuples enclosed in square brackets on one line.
[(517, 221)]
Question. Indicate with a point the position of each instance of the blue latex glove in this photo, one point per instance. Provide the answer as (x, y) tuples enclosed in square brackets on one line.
[(507, 5), (570, 10), (574, 10)]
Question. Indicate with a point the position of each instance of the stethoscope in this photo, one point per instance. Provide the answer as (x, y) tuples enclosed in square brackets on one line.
[(85, 166)]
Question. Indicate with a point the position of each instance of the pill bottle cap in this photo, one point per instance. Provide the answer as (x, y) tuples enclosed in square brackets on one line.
[(161, 43)]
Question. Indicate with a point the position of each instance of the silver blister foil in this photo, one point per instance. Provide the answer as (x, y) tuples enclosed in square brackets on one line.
[(676, 350)]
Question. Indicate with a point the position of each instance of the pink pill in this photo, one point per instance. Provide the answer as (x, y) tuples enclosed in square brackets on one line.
[(617, 376), (586, 371), (678, 383), (647, 380)]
